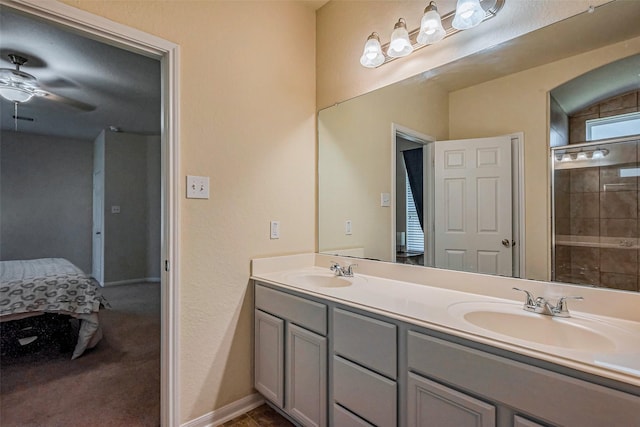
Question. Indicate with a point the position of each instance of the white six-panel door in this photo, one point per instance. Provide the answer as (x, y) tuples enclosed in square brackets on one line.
[(473, 209)]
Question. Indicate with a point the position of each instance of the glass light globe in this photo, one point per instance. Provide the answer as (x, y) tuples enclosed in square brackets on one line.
[(400, 44), (469, 13), (431, 30), (14, 94), (372, 55)]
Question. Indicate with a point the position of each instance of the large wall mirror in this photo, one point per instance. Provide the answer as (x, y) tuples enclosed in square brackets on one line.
[(492, 110)]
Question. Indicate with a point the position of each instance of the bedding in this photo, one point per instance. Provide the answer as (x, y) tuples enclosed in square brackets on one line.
[(52, 285)]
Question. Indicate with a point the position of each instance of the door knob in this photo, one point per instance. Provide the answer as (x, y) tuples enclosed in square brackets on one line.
[(506, 243)]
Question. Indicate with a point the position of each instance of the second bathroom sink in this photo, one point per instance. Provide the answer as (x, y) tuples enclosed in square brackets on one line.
[(575, 333)]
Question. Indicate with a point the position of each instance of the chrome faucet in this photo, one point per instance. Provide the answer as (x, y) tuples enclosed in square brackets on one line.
[(338, 270), (541, 305)]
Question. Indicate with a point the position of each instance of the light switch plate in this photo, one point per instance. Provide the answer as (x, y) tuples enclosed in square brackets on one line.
[(275, 230), (385, 199), (197, 187), (347, 227)]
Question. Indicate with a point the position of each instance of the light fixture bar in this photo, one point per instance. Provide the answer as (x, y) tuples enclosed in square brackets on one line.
[(491, 7)]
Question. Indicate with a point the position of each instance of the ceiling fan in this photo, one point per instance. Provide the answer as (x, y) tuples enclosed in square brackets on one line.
[(18, 86)]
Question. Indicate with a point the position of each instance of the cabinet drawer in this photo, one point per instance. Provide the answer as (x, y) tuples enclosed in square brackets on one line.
[(302, 312), (523, 422), (344, 418), (433, 405), (369, 342), (367, 394), (560, 399)]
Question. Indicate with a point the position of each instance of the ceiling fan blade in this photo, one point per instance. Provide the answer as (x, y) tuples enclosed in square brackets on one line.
[(69, 101)]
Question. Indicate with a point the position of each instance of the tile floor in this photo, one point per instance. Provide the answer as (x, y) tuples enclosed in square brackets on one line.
[(262, 416)]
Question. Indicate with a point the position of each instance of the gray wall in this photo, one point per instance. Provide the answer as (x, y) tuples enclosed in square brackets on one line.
[(132, 182), (45, 198)]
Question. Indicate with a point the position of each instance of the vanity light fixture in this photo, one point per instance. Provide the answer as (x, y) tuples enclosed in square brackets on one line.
[(433, 28), (598, 153), (372, 55), (400, 44)]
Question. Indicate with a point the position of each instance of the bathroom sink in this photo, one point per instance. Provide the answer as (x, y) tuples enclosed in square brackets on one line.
[(510, 320), (322, 280)]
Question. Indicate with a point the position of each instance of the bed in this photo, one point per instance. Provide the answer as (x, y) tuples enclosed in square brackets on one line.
[(52, 285)]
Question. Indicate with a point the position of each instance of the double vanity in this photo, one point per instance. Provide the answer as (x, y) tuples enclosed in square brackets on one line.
[(399, 345)]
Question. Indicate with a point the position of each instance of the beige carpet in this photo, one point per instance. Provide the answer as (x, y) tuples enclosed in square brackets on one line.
[(115, 384)]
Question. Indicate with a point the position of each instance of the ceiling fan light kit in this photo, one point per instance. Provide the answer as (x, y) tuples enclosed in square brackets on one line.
[(433, 28), (16, 85)]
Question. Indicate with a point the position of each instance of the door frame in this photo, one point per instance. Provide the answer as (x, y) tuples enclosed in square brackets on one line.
[(425, 140), (168, 53), (97, 262)]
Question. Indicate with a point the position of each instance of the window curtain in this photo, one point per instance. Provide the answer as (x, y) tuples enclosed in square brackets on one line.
[(413, 163)]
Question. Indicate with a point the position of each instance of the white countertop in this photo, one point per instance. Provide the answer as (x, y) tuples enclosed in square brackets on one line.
[(443, 309)]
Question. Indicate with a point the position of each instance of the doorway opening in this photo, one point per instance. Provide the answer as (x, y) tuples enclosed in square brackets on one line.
[(101, 29), (459, 204), (412, 216)]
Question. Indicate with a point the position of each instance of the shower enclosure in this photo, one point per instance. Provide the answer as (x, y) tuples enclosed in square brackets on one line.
[(595, 213)]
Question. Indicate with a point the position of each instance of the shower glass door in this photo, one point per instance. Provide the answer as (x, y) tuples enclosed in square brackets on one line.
[(595, 213)]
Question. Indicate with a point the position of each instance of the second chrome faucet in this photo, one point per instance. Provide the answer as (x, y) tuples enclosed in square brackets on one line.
[(338, 270), (543, 306)]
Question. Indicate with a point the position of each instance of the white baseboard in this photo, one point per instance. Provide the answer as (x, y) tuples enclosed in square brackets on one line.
[(130, 281), (227, 413)]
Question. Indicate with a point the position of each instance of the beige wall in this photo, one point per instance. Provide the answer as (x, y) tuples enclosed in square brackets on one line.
[(355, 162), (248, 121), (520, 102), (343, 27)]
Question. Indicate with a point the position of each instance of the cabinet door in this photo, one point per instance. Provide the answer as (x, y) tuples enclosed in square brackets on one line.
[(306, 376), (269, 357), (432, 404)]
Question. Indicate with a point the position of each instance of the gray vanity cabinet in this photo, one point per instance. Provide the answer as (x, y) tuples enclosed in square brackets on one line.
[(291, 354), (473, 379), (361, 369), (364, 369)]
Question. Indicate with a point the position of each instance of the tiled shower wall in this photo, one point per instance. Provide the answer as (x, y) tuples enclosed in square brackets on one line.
[(591, 203), (598, 210)]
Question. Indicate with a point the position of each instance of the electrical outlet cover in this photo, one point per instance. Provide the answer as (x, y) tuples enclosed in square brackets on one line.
[(275, 230)]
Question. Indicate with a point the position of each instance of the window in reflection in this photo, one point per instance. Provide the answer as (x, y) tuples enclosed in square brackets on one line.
[(613, 127)]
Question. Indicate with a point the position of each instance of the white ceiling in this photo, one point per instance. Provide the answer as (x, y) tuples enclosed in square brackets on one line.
[(611, 23), (124, 87)]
